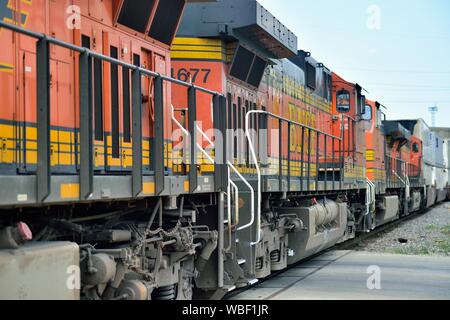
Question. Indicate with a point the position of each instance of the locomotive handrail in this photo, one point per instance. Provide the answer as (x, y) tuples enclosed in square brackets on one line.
[(409, 171), (398, 176), (187, 134), (86, 166), (178, 124), (397, 159), (292, 122), (205, 136), (370, 196), (231, 184), (236, 203), (252, 204), (255, 158), (70, 46)]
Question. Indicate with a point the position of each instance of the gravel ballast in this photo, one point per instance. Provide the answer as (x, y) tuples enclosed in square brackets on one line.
[(428, 234)]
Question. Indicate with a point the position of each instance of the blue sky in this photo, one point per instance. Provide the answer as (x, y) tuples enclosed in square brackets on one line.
[(397, 50)]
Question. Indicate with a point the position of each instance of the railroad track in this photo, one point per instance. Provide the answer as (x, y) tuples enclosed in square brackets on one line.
[(342, 246)]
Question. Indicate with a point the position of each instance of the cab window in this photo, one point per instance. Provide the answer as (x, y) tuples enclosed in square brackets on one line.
[(362, 104), (367, 115), (343, 101), (415, 147), (380, 117)]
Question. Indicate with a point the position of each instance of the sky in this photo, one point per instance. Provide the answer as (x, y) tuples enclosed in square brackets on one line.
[(398, 50)]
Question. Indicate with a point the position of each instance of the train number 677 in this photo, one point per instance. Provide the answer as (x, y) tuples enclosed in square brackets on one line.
[(192, 74)]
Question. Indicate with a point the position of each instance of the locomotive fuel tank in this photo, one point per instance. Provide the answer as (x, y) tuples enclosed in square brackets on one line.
[(324, 225), (388, 210), (40, 271), (441, 195), (416, 201), (431, 196)]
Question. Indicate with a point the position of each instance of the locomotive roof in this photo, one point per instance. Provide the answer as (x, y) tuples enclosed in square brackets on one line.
[(302, 57), (410, 124), (243, 20), (397, 130)]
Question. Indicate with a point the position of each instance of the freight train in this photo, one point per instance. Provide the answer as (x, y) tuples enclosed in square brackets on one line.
[(182, 149)]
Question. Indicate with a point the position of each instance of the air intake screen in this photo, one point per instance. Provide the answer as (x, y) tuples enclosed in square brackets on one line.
[(242, 63), (165, 23), (135, 14), (310, 76), (257, 72)]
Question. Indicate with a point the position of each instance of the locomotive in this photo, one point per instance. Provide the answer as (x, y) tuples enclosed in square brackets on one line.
[(170, 150)]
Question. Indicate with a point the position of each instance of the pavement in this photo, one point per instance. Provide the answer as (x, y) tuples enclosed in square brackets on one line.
[(353, 275)]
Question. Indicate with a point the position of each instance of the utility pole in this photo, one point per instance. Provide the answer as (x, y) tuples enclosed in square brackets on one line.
[(433, 110)]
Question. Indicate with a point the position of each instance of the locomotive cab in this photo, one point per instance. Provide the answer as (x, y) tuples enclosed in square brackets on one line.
[(375, 144), (349, 106)]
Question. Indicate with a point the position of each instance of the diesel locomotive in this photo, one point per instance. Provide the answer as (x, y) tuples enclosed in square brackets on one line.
[(172, 149)]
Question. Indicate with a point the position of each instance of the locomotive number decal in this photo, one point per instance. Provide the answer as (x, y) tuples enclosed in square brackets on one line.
[(191, 75)]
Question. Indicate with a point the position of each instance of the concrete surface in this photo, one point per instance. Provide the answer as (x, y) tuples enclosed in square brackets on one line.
[(344, 275)]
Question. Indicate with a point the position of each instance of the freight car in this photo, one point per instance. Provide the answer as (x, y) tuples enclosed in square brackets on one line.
[(140, 165), (444, 133), (433, 160)]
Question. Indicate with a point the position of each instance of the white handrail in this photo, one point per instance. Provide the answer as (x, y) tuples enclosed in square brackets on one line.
[(179, 125), (209, 141), (187, 134), (229, 213), (407, 182), (236, 202), (236, 195), (230, 243), (258, 170), (252, 198), (370, 196), (205, 136), (398, 176), (206, 154)]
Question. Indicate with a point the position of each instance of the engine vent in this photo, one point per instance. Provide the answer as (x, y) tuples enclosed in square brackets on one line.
[(135, 14), (248, 67), (165, 23)]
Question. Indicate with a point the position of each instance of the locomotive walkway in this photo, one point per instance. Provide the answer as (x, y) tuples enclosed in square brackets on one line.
[(342, 275)]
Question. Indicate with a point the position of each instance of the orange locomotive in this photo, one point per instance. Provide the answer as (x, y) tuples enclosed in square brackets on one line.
[(162, 167), (393, 161), (348, 101), (86, 151), (375, 143), (112, 28), (124, 30), (316, 138)]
